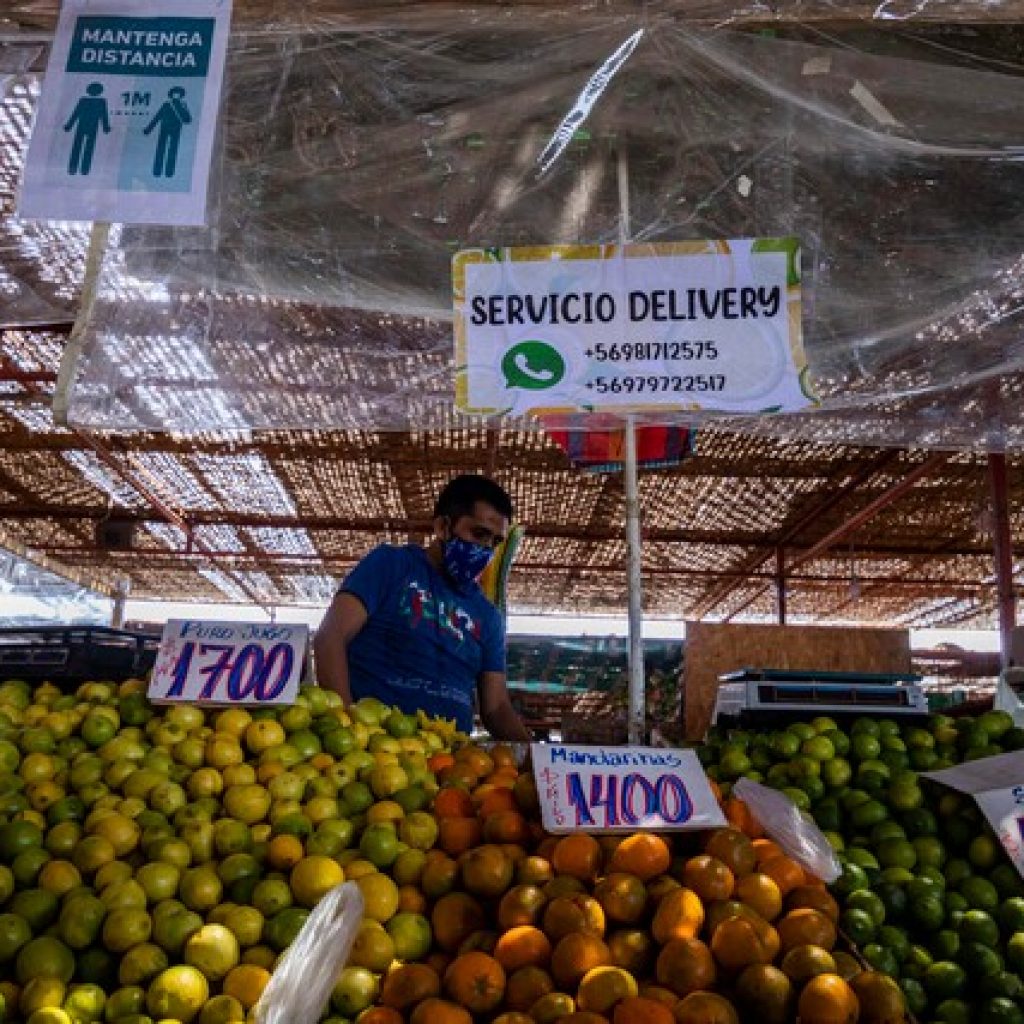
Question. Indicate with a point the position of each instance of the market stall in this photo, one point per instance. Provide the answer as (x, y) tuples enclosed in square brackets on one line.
[(239, 409)]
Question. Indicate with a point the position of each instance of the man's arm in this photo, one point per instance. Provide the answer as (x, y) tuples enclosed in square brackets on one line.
[(345, 617), (499, 717)]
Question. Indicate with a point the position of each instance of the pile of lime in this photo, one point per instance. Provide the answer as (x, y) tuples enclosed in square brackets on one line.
[(927, 893)]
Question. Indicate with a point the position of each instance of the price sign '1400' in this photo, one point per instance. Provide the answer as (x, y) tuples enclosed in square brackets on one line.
[(630, 800), (229, 663), (619, 789)]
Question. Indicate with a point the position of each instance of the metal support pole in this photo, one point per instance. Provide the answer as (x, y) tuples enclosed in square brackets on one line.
[(780, 584), (637, 681), (1002, 545), (117, 617)]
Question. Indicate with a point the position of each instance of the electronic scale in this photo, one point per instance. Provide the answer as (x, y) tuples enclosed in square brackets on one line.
[(760, 696)]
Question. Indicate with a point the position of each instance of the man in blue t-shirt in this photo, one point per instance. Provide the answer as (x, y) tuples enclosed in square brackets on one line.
[(411, 626)]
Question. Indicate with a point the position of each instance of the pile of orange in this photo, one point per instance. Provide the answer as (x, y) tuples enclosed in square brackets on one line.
[(694, 928)]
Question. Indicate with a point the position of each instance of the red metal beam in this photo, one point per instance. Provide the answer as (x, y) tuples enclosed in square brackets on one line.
[(866, 514), (1002, 544), (855, 522), (808, 518)]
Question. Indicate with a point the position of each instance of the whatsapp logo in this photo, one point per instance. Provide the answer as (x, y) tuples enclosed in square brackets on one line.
[(533, 366)]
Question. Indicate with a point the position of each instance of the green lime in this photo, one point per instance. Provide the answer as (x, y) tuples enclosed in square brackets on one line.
[(881, 959), (897, 853), (905, 796), (819, 748), (956, 871), (996, 723), (869, 902), (897, 876), (957, 833), (929, 851), (840, 741), (953, 1011), (803, 730), (980, 893), (916, 962), (37, 906), (858, 925), (1000, 1010), (14, 933), (944, 980), (929, 912), (915, 995), (946, 944), (978, 926), (925, 887), (1014, 952), (865, 747), (785, 744), (865, 726), (836, 773), (1005, 983), (984, 852), (979, 961), (280, 931), (828, 815), (851, 880), (16, 837), (894, 899), (895, 939), (869, 814), (799, 797)]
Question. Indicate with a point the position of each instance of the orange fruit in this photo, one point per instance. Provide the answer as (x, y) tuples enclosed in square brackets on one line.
[(709, 878), (454, 918), (603, 987), (439, 876), (766, 994), (706, 1008), (246, 983), (643, 854), (640, 1010), (737, 943), (733, 849), (760, 893), (457, 835), (766, 849), (679, 915), (522, 904), (806, 928), (506, 827), (486, 870), (584, 1017), (452, 802), (411, 900), (847, 966), (409, 984), (479, 942), (660, 994), (379, 1015), (496, 800), (525, 791), (522, 946), (685, 966), (632, 949), (785, 872), (622, 897), (881, 999), (810, 897), (534, 870), (513, 1017), (827, 999), (437, 1011), (566, 914), (475, 981), (578, 856), (284, 852), (437, 762), (739, 817), (525, 986), (802, 963), (576, 954)]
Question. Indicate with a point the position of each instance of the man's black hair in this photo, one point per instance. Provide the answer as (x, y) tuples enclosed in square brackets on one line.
[(461, 494)]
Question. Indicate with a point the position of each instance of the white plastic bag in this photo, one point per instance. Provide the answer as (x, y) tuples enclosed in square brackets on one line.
[(301, 983), (799, 837)]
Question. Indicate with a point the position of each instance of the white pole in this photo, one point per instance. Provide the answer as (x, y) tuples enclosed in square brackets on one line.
[(634, 553), (637, 680)]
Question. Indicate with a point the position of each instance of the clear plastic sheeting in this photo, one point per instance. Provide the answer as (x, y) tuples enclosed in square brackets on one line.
[(356, 162)]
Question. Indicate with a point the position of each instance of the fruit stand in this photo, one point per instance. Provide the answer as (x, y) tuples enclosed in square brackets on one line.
[(239, 411)]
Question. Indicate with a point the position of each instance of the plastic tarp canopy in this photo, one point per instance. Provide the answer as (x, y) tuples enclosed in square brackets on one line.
[(353, 163)]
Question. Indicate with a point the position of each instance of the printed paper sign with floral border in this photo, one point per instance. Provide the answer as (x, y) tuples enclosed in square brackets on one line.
[(640, 328)]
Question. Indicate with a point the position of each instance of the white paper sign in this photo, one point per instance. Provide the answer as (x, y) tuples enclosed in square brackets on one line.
[(682, 326), (126, 122), (229, 662), (622, 789), (997, 785)]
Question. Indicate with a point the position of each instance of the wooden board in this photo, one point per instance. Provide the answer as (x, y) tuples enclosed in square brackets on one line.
[(714, 649)]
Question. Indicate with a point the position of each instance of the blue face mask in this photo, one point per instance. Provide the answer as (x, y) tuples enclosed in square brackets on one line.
[(464, 561)]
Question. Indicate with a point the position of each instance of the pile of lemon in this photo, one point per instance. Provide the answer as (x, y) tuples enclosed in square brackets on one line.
[(155, 862)]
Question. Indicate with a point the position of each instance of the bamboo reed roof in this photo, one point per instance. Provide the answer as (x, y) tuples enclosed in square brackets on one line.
[(278, 517)]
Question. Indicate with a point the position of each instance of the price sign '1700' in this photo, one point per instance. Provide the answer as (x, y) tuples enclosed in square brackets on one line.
[(229, 662), (616, 789)]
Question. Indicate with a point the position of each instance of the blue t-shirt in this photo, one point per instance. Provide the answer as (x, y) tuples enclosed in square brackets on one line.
[(424, 644)]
